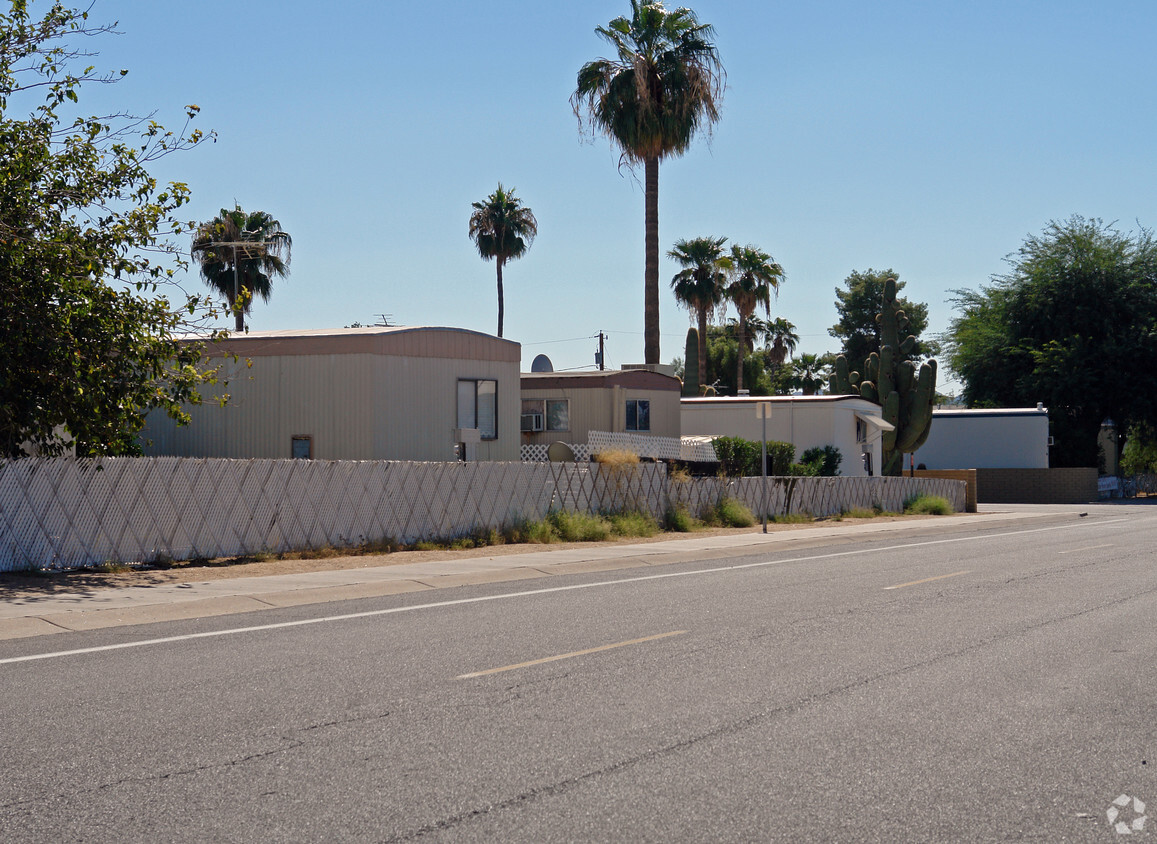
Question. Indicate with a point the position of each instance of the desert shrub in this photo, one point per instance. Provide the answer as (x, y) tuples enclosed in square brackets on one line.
[(680, 521), (616, 457), (793, 518), (579, 527), (730, 512), (927, 505), (633, 524)]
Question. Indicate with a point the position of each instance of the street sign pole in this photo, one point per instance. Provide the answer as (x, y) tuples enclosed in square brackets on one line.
[(763, 410)]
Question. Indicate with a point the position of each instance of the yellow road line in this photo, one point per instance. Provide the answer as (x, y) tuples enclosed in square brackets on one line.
[(1090, 548), (927, 580), (573, 653)]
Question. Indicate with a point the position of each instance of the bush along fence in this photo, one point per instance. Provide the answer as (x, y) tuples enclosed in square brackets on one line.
[(69, 513)]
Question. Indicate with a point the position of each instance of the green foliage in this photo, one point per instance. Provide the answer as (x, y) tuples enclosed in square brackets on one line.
[(729, 512), (1139, 456), (503, 229), (240, 253), (857, 306), (808, 373), (680, 521), (826, 460), (579, 527), (691, 365), (740, 458), (633, 524), (87, 336), (892, 381), (1068, 325), (723, 362), (793, 518), (927, 505)]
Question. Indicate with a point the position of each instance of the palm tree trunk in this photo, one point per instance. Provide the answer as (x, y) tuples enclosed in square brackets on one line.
[(651, 267), (742, 326), (703, 379), (501, 308), (238, 313)]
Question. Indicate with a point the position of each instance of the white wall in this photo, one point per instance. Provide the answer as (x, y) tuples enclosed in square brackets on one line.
[(803, 422), (1015, 438)]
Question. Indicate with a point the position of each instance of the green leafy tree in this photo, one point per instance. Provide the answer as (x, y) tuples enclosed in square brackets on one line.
[(857, 305), (240, 253), (502, 228), (754, 278), (723, 361), (87, 335), (664, 84), (701, 284), (1072, 324)]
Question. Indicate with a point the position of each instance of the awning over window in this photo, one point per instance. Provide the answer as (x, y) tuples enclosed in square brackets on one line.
[(876, 423)]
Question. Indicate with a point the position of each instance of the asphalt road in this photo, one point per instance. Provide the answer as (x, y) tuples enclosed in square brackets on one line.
[(975, 685)]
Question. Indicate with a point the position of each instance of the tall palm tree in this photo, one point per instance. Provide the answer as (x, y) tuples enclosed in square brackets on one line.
[(502, 228), (701, 283), (754, 277), (240, 253), (665, 82), (779, 339)]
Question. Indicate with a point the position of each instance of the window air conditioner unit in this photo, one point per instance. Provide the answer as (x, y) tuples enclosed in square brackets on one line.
[(532, 422)]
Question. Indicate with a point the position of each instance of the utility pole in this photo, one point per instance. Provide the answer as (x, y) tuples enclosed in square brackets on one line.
[(602, 361)]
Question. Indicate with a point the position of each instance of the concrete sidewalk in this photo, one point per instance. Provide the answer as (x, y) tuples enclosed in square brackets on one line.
[(29, 612)]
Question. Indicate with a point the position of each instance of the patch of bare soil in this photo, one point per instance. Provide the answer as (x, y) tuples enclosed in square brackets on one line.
[(87, 580)]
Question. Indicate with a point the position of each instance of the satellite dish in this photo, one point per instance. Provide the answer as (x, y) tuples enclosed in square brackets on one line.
[(560, 452), (542, 364)]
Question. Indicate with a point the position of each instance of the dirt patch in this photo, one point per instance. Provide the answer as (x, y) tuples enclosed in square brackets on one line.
[(88, 580)]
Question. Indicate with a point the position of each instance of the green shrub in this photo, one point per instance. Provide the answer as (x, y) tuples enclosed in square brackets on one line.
[(793, 519), (805, 470), (739, 457), (826, 460), (680, 521), (633, 524), (540, 533), (730, 512), (579, 527), (927, 505)]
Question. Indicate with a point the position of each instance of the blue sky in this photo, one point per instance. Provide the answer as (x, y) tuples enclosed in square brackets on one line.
[(926, 137)]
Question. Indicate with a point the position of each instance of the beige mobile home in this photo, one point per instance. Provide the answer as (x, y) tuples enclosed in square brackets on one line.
[(567, 406), (377, 393), (850, 423)]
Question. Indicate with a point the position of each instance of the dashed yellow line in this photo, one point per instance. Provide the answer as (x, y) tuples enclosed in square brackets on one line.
[(571, 654), (927, 580)]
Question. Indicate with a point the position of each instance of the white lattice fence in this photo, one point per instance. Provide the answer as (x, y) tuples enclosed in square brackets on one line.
[(815, 496), (67, 513)]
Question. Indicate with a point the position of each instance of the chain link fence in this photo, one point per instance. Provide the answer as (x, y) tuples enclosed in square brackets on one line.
[(69, 513)]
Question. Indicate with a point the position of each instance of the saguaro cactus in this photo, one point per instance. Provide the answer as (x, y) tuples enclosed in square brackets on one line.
[(691, 365), (906, 394)]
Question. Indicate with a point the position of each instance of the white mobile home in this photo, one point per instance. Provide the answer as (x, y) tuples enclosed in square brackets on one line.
[(1006, 438), (377, 393), (851, 424)]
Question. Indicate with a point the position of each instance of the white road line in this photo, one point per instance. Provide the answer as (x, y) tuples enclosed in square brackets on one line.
[(257, 628), (1090, 548)]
